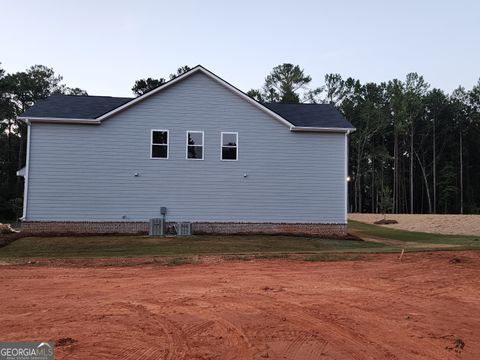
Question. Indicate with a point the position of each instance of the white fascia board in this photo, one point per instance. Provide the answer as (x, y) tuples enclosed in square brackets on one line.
[(321, 129), (29, 120), (212, 76)]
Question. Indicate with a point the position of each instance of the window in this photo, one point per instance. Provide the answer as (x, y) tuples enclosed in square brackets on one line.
[(229, 146), (159, 147), (195, 145)]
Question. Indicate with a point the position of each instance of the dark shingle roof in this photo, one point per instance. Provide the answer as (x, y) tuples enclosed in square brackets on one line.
[(311, 115), (91, 107), (74, 106)]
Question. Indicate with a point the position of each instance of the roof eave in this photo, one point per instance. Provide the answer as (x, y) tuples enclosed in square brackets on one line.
[(54, 120), (321, 129)]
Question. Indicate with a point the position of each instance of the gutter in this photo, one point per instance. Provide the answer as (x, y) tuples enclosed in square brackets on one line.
[(321, 129), (52, 120), (26, 176)]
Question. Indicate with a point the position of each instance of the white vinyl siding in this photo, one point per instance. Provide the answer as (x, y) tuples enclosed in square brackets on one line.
[(86, 172)]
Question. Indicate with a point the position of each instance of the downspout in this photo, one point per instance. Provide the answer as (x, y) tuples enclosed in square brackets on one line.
[(346, 176), (27, 170)]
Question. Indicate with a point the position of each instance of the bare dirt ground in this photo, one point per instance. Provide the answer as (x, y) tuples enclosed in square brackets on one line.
[(425, 307), (438, 224)]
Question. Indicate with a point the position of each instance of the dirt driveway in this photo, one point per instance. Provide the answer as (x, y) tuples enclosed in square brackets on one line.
[(425, 307)]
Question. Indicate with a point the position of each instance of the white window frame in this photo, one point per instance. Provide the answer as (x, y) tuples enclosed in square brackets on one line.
[(151, 144), (222, 146), (203, 144)]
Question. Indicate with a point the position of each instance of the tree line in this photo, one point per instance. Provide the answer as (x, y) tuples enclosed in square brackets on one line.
[(414, 149)]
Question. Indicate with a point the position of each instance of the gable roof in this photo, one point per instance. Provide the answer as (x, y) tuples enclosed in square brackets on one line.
[(310, 115), (74, 106), (95, 109)]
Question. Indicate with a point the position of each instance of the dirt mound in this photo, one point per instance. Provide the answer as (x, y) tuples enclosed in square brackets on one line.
[(65, 341), (385, 222), (6, 229), (455, 260)]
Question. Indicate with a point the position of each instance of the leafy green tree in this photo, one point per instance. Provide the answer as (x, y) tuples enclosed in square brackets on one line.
[(334, 88), (65, 90), (395, 90), (181, 70), (36, 83), (314, 96), (385, 201), (142, 86), (415, 89), (283, 84), (256, 94), (287, 80), (436, 103)]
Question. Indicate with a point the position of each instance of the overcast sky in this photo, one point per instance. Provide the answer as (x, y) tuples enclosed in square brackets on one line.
[(103, 46)]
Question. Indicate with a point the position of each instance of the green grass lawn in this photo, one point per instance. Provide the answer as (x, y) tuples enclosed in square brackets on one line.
[(259, 245), (383, 232), (129, 246)]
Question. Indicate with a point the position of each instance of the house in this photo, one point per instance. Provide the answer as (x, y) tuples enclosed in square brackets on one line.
[(196, 145)]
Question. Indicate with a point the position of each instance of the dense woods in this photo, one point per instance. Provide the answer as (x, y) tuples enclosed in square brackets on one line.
[(414, 150)]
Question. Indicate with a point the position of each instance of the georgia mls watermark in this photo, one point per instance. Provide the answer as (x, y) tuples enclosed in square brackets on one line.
[(26, 350)]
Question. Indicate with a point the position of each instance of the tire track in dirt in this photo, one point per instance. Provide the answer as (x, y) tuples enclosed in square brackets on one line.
[(239, 341), (197, 328), (145, 353), (235, 339), (375, 309), (331, 332), (233, 336), (341, 336), (176, 346), (297, 347)]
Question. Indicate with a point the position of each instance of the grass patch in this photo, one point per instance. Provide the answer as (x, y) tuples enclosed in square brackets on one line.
[(384, 232), (231, 247), (271, 256), (331, 257), (138, 246), (237, 257), (179, 261)]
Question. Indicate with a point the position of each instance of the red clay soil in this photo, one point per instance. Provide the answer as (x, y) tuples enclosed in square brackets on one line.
[(425, 307)]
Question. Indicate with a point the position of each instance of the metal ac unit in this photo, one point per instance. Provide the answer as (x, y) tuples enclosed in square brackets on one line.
[(157, 227), (183, 229)]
